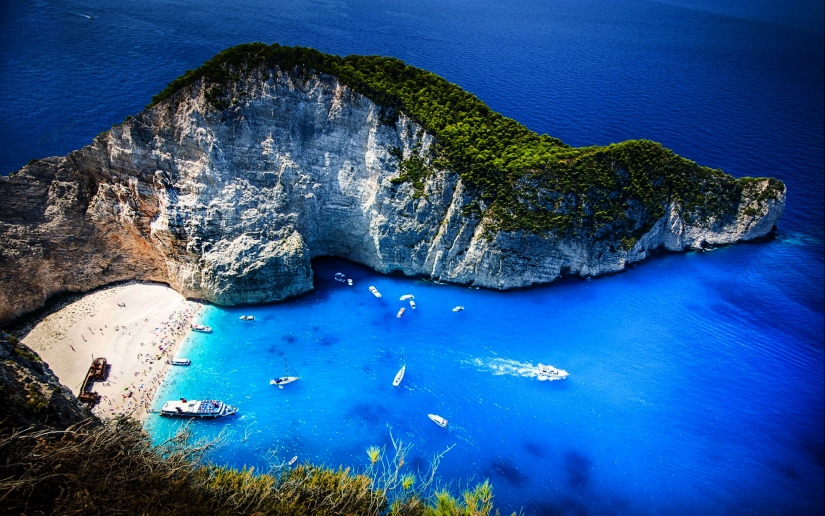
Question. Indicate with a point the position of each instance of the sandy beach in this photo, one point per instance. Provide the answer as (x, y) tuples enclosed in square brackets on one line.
[(136, 327)]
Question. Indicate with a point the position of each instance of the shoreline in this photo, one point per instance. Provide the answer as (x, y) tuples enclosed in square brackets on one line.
[(137, 327)]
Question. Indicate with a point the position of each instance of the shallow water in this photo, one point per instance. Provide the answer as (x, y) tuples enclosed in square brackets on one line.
[(696, 380)]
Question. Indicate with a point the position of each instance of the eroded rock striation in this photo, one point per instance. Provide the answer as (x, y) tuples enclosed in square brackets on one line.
[(226, 195)]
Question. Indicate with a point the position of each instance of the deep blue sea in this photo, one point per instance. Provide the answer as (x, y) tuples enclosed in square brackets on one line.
[(697, 381)]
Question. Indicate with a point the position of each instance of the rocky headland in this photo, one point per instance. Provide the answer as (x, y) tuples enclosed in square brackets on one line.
[(244, 170)]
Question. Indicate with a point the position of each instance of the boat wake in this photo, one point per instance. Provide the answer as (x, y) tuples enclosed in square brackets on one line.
[(505, 366)]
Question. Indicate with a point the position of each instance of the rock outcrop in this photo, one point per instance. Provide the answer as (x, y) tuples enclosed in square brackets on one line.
[(230, 204), (30, 394)]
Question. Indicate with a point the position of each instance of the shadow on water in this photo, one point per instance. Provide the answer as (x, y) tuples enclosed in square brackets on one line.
[(577, 468), (370, 413), (327, 340), (509, 473), (535, 449)]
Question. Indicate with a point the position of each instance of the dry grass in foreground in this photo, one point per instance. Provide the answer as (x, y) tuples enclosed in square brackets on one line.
[(114, 469)]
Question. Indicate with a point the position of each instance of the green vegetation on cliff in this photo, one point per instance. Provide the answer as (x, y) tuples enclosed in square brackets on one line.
[(521, 180)]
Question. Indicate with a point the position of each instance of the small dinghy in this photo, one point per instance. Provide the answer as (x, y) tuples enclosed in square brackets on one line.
[(438, 420), (458, 308), (375, 291), (412, 304), (349, 281), (400, 312)]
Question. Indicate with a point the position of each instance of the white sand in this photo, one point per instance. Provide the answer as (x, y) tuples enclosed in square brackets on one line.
[(137, 340)]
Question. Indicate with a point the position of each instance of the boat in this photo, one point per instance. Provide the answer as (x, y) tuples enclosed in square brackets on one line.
[(293, 460), (548, 372), (201, 409), (283, 380), (400, 312), (400, 374), (458, 308), (180, 361), (349, 281), (201, 328), (406, 296), (247, 317), (340, 276), (375, 291), (438, 420), (412, 304)]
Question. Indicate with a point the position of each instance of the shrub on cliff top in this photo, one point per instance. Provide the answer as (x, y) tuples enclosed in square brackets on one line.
[(527, 181), (115, 469)]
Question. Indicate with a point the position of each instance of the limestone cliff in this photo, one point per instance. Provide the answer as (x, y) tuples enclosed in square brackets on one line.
[(227, 196)]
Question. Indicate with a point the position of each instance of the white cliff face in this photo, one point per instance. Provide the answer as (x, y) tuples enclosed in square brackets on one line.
[(230, 205)]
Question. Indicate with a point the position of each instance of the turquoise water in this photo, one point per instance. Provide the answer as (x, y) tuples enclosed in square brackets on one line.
[(684, 390), (696, 381)]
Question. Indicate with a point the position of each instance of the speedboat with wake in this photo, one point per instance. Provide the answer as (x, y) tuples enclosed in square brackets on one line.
[(548, 372)]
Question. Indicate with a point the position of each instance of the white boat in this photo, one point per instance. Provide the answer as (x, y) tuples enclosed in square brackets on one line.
[(458, 308), (247, 318), (438, 420), (412, 304), (349, 282), (202, 329), (400, 312), (203, 409), (340, 276), (406, 296), (180, 361), (399, 376), (293, 460), (287, 378), (375, 291), (548, 372)]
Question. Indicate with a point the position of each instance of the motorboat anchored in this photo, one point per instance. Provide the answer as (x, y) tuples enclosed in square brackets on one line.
[(400, 312), (202, 409), (180, 361), (375, 291), (406, 296), (548, 372), (438, 420), (201, 328), (412, 304), (458, 308), (287, 378), (247, 317)]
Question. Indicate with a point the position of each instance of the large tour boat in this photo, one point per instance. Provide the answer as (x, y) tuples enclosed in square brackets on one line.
[(202, 409)]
